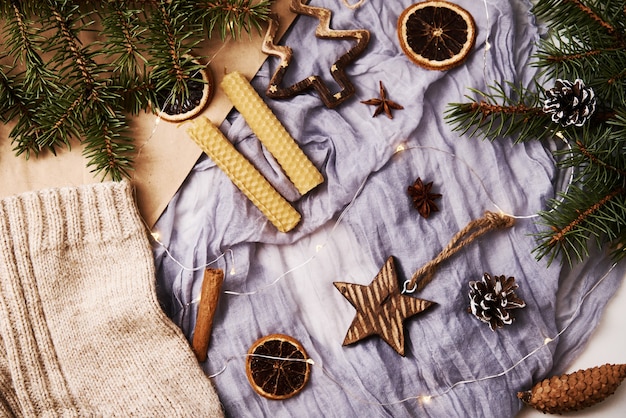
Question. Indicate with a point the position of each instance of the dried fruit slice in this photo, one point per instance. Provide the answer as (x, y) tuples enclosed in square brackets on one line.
[(200, 93), (436, 34), (277, 366)]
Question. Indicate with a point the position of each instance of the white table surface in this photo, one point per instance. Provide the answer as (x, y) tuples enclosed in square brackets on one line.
[(606, 345)]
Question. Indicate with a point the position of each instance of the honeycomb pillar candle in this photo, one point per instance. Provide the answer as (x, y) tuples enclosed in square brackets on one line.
[(243, 174), (271, 132)]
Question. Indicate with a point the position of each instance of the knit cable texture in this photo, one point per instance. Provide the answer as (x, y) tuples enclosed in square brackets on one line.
[(81, 330)]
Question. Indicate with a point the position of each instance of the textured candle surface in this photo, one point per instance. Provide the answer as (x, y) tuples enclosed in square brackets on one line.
[(296, 165), (245, 176)]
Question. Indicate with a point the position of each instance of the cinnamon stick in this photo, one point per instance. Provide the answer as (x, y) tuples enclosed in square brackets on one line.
[(209, 296)]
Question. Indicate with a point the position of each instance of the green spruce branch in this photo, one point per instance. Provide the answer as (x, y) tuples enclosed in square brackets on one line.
[(229, 18), (500, 112), (171, 37), (573, 222), (59, 90), (586, 40), (124, 32)]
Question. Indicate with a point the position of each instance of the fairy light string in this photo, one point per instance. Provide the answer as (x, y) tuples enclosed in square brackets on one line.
[(425, 399), (158, 118), (409, 285), (319, 247), (154, 235), (422, 399), (487, 47)]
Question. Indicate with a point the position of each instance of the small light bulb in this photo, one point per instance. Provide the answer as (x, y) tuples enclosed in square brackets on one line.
[(400, 148), (233, 271), (319, 247), (547, 341), (155, 235), (487, 46), (425, 399)]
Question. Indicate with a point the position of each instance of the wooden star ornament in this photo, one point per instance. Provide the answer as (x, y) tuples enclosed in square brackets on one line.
[(380, 308)]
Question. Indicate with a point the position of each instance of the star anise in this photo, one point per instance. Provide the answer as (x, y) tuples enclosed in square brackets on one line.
[(423, 199), (383, 104)]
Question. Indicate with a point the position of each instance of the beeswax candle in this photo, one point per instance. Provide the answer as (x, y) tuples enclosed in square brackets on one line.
[(272, 134), (245, 176)]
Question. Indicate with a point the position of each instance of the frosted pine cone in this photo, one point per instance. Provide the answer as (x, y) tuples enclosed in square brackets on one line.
[(570, 103), (575, 391), (492, 299)]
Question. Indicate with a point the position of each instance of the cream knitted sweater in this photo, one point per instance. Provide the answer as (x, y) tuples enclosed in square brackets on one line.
[(81, 330)]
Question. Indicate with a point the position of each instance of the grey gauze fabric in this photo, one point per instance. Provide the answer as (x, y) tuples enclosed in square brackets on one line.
[(283, 283)]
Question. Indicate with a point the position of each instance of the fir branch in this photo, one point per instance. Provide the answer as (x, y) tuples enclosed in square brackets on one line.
[(10, 99), (573, 49), (37, 77), (121, 36), (610, 29), (601, 68), (26, 137), (143, 52), (610, 82), (70, 56), (617, 77), (230, 17), (595, 160), (136, 94), (171, 36), (109, 150), (60, 121), (556, 59), (26, 133), (601, 16), (499, 113), (587, 40), (618, 122), (560, 234), (601, 217), (596, 155)]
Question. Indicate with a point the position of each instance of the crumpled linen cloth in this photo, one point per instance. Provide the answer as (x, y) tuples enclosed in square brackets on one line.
[(283, 283)]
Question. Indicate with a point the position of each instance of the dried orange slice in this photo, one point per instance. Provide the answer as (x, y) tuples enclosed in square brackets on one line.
[(277, 366), (200, 88), (436, 34)]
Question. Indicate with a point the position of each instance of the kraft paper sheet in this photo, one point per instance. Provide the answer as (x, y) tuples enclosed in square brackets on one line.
[(165, 154)]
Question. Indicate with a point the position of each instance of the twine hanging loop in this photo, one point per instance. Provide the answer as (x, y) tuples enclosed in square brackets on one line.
[(490, 221)]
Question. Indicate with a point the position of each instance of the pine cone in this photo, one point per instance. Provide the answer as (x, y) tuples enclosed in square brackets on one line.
[(570, 103), (492, 298), (575, 391)]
